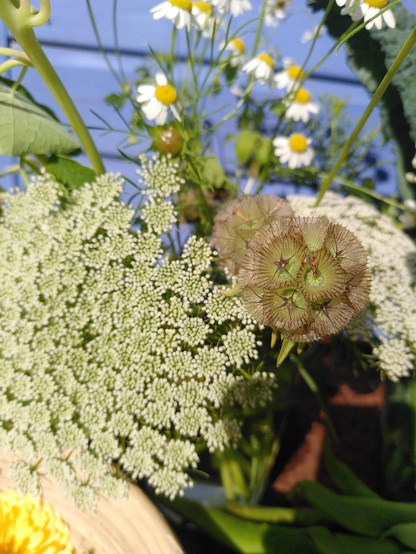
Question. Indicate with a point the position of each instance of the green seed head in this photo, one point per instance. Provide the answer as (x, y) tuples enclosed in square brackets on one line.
[(305, 277)]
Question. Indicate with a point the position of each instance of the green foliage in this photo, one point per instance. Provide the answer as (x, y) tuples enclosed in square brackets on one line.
[(370, 53), (70, 173), (27, 129)]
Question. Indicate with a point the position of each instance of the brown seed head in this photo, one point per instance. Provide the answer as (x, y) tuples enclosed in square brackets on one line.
[(239, 220)]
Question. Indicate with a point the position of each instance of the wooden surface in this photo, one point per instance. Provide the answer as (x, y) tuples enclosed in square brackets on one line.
[(127, 526)]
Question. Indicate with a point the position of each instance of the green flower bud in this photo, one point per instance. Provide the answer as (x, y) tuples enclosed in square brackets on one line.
[(239, 220), (305, 277)]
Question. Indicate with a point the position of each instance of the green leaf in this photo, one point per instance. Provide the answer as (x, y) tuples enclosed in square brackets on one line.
[(339, 543), (212, 173), (344, 478), (367, 516), (369, 54), (404, 533), (28, 129), (246, 145), (245, 536), (71, 173)]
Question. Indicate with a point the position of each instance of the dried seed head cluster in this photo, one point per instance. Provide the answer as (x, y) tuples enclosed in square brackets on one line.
[(239, 220), (114, 358), (390, 319), (305, 277)]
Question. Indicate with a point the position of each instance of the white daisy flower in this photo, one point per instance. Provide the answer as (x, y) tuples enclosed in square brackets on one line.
[(294, 150), (371, 8), (204, 18), (275, 9), (302, 106), (237, 48), (288, 77), (235, 7), (158, 100), (177, 11), (262, 67)]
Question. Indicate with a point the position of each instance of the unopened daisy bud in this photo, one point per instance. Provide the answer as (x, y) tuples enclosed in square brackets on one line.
[(239, 220), (305, 277)]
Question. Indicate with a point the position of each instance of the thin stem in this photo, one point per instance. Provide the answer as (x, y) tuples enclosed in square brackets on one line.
[(404, 51), (18, 81), (259, 28), (9, 64)]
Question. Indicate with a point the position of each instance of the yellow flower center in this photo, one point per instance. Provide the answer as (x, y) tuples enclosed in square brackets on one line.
[(166, 94), (294, 72), (377, 3), (298, 143), (302, 96), (202, 6), (182, 4), (239, 45), (266, 59)]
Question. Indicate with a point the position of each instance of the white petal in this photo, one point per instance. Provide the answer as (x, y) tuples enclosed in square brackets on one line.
[(175, 112), (161, 79), (389, 19)]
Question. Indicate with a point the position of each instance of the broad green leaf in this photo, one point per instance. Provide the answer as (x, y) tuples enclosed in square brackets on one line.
[(27, 129), (246, 144), (71, 173), (339, 543), (212, 173), (367, 516), (404, 533), (244, 536)]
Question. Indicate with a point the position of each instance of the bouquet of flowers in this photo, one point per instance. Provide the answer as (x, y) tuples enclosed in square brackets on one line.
[(154, 340)]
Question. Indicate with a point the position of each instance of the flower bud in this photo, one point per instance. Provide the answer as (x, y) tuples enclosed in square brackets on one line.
[(168, 140)]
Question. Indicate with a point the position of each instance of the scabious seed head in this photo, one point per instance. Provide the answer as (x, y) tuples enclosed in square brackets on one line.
[(305, 277), (236, 224)]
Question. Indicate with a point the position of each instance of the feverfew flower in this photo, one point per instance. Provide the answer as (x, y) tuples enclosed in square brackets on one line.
[(275, 9), (294, 150), (237, 48), (262, 67), (157, 100), (392, 265), (29, 525), (111, 352), (204, 18), (234, 7), (371, 8), (302, 106), (289, 76), (307, 36), (177, 11)]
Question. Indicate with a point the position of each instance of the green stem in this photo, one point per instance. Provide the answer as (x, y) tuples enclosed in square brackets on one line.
[(19, 24), (404, 51), (259, 29)]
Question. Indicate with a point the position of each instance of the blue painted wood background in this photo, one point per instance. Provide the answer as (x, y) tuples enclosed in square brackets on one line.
[(71, 45)]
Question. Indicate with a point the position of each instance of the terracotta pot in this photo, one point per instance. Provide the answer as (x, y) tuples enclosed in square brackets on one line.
[(127, 526)]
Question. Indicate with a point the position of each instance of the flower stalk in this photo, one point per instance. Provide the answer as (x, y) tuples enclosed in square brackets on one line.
[(20, 21)]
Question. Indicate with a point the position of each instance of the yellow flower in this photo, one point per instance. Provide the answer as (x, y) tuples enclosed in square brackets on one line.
[(29, 526)]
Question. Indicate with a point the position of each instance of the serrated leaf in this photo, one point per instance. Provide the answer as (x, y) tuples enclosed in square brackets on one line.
[(72, 174), (27, 129)]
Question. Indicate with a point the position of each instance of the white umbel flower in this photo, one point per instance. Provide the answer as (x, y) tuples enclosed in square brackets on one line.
[(237, 48), (204, 18), (294, 150), (262, 67), (301, 108), (158, 100), (177, 11), (288, 76), (234, 7), (371, 8), (275, 10)]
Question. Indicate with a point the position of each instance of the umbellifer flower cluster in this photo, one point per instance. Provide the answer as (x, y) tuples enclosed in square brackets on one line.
[(113, 358), (305, 277), (390, 320)]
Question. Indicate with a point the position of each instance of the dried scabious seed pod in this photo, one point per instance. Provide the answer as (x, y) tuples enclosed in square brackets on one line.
[(238, 222), (305, 277)]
